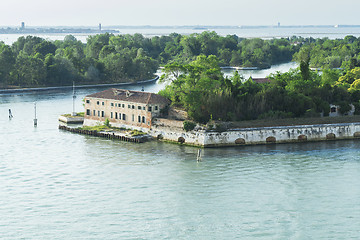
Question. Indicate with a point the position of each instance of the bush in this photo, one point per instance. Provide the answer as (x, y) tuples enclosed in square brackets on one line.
[(310, 113), (136, 133), (344, 107), (107, 122), (188, 126), (220, 127)]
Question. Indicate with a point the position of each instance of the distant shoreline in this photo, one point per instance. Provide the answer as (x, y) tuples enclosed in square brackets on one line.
[(20, 90)]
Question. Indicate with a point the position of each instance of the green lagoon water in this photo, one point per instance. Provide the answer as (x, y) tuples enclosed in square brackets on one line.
[(59, 185)]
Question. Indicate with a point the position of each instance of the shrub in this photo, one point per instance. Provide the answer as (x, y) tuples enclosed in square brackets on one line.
[(344, 107), (188, 126), (107, 122)]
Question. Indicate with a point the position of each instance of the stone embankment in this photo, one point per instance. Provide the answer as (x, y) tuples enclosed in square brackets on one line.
[(253, 136)]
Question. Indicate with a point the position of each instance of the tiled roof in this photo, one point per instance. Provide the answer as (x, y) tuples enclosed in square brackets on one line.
[(130, 96)]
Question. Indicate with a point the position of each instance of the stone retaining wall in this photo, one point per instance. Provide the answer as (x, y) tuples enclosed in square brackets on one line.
[(265, 135)]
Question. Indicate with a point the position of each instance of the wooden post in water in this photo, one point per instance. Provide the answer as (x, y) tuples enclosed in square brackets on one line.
[(198, 158), (35, 119), (74, 96)]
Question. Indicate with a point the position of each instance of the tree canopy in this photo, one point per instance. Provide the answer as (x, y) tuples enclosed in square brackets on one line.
[(201, 89)]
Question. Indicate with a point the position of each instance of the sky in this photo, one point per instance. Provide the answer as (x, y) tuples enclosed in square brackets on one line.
[(178, 13)]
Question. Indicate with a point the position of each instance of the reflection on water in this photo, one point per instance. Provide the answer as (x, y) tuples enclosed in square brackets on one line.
[(59, 185)]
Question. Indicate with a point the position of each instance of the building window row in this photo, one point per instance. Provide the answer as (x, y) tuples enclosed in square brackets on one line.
[(150, 108), (115, 115)]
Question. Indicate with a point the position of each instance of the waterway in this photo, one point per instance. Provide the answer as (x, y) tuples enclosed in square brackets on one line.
[(59, 185), (256, 32)]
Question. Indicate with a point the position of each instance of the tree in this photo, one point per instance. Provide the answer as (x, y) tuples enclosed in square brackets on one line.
[(7, 61)]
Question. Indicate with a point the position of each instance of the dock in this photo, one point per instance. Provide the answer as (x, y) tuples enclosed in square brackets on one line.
[(108, 135)]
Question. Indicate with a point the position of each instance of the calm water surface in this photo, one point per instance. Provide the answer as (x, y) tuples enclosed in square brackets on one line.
[(265, 33), (58, 185)]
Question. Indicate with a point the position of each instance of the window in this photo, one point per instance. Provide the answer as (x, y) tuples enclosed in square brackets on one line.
[(133, 107), (122, 105), (124, 116), (133, 117), (87, 101), (139, 107), (112, 104), (120, 116), (98, 103), (143, 119), (94, 112), (98, 113), (111, 115), (149, 109), (116, 116), (102, 103), (102, 114), (333, 109), (156, 108), (139, 118), (129, 106), (88, 112), (144, 108)]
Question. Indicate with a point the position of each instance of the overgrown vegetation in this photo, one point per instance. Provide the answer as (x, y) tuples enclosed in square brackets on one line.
[(188, 125), (330, 53), (136, 133), (79, 114), (201, 89), (106, 58), (107, 127)]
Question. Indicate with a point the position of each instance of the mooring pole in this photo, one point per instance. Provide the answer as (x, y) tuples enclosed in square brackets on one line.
[(74, 96), (198, 158), (35, 119)]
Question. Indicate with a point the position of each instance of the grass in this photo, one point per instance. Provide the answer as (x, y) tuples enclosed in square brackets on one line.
[(100, 128), (79, 114), (293, 121), (136, 133), (97, 128)]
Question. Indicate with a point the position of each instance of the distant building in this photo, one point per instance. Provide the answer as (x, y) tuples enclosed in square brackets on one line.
[(99, 27), (123, 108), (22, 25), (278, 24)]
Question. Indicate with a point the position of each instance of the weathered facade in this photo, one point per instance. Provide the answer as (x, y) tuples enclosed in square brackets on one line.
[(123, 108), (172, 130)]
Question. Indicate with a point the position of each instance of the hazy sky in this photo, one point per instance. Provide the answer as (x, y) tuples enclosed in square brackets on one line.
[(184, 12)]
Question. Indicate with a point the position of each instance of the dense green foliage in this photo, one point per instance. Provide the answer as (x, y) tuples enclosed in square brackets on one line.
[(188, 126), (327, 53), (108, 58), (202, 90)]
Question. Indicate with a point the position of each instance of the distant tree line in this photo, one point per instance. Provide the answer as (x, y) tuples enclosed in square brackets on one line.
[(202, 90), (329, 53), (108, 58)]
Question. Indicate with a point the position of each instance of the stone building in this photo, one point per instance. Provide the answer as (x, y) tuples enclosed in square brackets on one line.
[(124, 108)]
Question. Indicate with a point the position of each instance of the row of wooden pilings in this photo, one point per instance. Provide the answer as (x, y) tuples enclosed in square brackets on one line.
[(101, 134)]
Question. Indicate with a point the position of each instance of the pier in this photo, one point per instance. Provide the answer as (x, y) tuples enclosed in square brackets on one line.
[(108, 135)]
